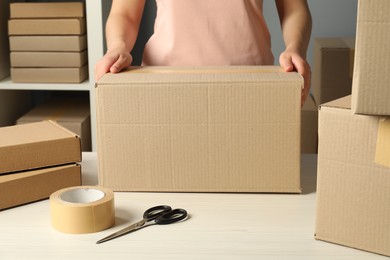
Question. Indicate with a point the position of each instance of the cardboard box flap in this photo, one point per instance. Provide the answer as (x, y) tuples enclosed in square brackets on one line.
[(165, 75), (343, 103)]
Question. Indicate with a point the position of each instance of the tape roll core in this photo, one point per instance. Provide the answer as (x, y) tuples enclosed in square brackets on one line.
[(82, 209)]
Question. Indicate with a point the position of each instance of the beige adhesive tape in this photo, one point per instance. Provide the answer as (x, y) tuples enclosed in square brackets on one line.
[(382, 153), (82, 209)]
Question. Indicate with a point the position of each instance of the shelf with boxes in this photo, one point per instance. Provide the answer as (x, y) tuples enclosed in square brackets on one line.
[(53, 47)]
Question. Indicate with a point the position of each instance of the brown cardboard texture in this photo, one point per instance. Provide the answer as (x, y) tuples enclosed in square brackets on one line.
[(48, 59), (47, 10), (30, 186), (309, 126), (71, 113), (4, 46), (371, 81), (70, 26), (49, 75), (353, 192), (54, 43), (36, 145), (200, 129), (333, 68)]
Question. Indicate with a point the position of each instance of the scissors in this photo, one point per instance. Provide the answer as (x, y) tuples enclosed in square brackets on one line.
[(162, 215)]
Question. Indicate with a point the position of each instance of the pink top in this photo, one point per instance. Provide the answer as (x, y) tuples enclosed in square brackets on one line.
[(209, 32)]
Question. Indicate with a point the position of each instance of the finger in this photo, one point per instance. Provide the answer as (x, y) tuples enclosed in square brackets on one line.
[(103, 66), (121, 63)]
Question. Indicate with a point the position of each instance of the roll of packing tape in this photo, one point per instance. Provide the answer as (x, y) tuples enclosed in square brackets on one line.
[(82, 209)]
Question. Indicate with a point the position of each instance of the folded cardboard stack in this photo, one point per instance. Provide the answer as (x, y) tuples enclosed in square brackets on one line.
[(200, 129), (4, 48), (36, 160), (353, 189), (48, 42), (71, 113)]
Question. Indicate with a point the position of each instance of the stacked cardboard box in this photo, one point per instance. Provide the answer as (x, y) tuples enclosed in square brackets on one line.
[(48, 42), (333, 68), (353, 190), (36, 160), (71, 113), (200, 129), (4, 48)]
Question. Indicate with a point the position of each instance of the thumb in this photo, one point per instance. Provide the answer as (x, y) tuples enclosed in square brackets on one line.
[(286, 63)]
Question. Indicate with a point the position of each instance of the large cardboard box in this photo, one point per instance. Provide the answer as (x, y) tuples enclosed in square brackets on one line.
[(309, 126), (48, 59), (200, 129), (48, 43), (37, 145), (353, 189), (59, 26), (71, 113), (371, 80), (47, 10), (29, 186), (333, 68), (49, 75), (4, 46)]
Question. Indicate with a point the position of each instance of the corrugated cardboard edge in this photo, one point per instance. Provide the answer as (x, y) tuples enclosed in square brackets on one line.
[(382, 154), (49, 180)]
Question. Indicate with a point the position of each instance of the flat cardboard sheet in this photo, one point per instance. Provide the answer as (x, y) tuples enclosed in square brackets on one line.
[(37, 145), (200, 129), (353, 195)]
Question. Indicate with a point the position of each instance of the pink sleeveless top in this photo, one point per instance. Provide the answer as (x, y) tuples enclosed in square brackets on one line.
[(209, 32)]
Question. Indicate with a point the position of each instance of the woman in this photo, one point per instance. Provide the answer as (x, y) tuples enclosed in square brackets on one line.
[(208, 32)]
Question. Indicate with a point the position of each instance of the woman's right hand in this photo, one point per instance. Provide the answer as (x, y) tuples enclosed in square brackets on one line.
[(113, 61)]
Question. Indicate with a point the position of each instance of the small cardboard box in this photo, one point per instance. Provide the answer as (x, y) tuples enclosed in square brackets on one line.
[(4, 46), (333, 68), (36, 145), (30, 186), (47, 10), (48, 59), (71, 113), (200, 129), (49, 75), (309, 126), (48, 43), (353, 189), (59, 26), (371, 80)]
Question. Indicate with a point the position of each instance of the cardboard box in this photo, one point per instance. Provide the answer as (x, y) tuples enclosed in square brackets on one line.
[(309, 126), (71, 113), (37, 145), (49, 75), (48, 59), (200, 129), (48, 43), (4, 46), (70, 26), (47, 10), (30, 186), (333, 68), (371, 81), (353, 189)]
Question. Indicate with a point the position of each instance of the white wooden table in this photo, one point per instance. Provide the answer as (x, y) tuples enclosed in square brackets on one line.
[(221, 226)]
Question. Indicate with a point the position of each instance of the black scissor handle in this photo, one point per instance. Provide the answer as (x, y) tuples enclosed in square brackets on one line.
[(171, 217), (156, 212)]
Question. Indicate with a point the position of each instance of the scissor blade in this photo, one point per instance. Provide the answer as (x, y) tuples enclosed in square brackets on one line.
[(123, 231)]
